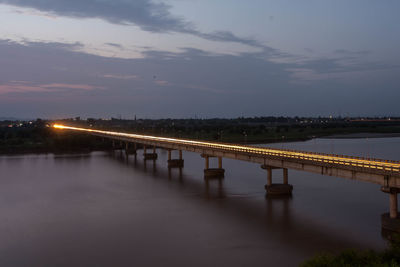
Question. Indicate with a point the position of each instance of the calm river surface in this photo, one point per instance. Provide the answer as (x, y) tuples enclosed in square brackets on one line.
[(100, 209)]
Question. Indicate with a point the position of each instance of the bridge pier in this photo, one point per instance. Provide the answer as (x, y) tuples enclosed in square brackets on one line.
[(175, 163), (151, 156), (129, 150), (391, 220), (283, 189), (213, 172)]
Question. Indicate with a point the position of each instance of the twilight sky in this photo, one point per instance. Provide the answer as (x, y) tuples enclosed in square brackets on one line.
[(204, 58)]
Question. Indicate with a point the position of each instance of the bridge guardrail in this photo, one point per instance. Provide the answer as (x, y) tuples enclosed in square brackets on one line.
[(314, 157), (307, 156)]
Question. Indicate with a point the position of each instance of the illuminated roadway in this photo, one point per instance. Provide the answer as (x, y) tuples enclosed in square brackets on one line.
[(384, 172)]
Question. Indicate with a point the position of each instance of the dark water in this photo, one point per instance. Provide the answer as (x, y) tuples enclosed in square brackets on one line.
[(103, 210)]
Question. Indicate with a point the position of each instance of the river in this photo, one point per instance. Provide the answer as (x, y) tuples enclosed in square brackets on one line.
[(101, 209)]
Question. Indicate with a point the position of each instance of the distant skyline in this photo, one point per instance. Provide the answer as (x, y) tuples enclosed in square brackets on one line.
[(187, 58)]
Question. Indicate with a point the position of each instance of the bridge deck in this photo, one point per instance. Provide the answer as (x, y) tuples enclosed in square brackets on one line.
[(384, 172)]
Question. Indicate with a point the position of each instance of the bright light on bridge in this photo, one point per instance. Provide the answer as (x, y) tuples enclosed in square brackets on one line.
[(372, 164)]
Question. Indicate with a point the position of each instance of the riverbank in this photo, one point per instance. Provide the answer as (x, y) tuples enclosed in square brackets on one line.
[(352, 257), (41, 138), (86, 143), (362, 135)]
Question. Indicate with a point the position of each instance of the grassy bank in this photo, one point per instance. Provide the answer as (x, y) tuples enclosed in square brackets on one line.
[(46, 140), (389, 257)]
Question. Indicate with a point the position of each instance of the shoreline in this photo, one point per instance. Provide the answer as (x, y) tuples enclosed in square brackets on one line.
[(361, 135)]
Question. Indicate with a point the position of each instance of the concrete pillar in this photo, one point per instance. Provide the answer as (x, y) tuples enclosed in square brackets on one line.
[(175, 163), (269, 176), (285, 176), (393, 205), (127, 149), (216, 173)]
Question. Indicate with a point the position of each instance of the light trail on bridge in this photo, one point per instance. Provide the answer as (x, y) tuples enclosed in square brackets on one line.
[(390, 166)]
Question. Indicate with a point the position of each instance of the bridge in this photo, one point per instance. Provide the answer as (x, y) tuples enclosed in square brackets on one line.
[(379, 171)]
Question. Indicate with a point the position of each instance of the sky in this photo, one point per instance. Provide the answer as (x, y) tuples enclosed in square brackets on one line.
[(199, 58)]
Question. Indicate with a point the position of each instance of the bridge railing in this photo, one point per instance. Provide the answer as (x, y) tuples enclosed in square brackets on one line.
[(332, 159), (326, 158), (311, 157), (342, 160)]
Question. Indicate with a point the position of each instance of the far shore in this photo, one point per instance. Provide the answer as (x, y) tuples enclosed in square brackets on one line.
[(360, 135), (52, 150)]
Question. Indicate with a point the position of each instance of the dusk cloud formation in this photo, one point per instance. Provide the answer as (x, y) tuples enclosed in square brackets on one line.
[(148, 15), (54, 79), (143, 13), (18, 87)]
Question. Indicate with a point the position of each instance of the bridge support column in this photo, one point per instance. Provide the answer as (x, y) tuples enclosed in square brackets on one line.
[(285, 176), (175, 163), (152, 156), (275, 189), (269, 176), (129, 150), (391, 220), (213, 172)]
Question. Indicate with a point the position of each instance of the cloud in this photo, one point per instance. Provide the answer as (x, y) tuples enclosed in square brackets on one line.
[(121, 77), (21, 88), (53, 79), (52, 45), (70, 86), (162, 83), (148, 15), (227, 36), (31, 87), (352, 53), (34, 13), (144, 13), (115, 45)]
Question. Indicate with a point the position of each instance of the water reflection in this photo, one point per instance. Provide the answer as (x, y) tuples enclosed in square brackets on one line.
[(277, 221), (214, 188), (113, 210), (69, 157), (179, 174)]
